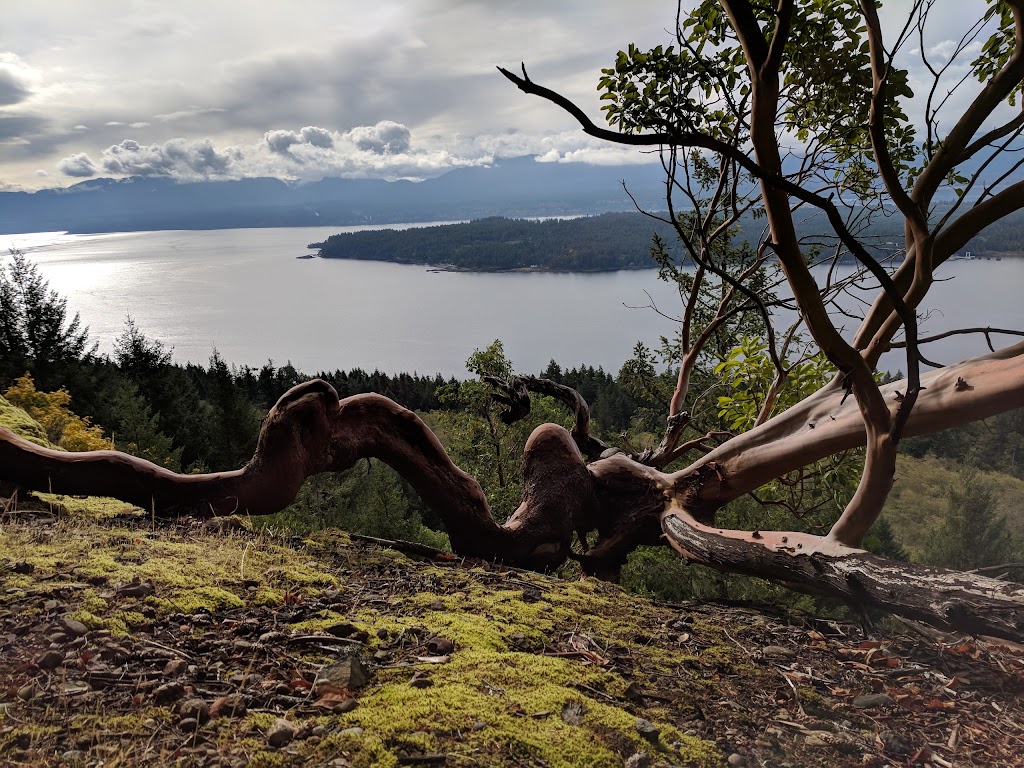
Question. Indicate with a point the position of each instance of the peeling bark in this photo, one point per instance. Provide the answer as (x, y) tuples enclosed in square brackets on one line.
[(950, 600)]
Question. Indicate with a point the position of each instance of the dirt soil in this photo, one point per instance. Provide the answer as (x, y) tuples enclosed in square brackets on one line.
[(123, 644)]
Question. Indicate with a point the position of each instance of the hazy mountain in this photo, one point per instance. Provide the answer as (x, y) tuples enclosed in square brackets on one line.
[(516, 187)]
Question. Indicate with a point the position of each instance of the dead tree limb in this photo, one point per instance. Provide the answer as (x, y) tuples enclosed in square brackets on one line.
[(950, 600)]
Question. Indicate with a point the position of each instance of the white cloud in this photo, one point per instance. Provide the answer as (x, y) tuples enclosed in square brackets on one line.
[(79, 166), (41, 172), (138, 125), (386, 137), (318, 137), (80, 127), (189, 112), (179, 158)]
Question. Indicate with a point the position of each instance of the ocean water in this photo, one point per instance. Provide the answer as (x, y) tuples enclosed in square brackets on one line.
[(245, 293)]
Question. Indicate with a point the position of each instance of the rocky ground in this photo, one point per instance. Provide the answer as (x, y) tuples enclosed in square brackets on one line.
[(125, 643)]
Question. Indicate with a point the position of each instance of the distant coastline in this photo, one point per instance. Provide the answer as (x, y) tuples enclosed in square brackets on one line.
[(607, 242)]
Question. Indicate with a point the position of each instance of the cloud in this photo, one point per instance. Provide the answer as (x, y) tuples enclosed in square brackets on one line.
[(113, 124), (180, 158), (79, 166), (386, 137), (139, 125), (15, 78), (189, 112), (12, 89), (318, 137), (80, 127), (41, 172), (280, 141), (18, 126)]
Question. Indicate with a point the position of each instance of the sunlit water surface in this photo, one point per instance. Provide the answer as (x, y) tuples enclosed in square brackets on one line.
[(244, 292)]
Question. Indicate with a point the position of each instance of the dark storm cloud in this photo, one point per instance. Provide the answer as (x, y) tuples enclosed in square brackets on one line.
[(186, 158), (12, 89), (79, 165)]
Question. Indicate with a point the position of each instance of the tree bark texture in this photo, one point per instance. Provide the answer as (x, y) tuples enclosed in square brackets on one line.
[(310, 430)]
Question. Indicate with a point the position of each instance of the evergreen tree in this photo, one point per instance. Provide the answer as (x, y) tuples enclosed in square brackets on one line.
[(972, 534), (137, 431), (35, 333)]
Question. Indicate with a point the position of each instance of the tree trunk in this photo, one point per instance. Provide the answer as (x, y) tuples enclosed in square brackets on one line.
[(950, 600), (310, 431)]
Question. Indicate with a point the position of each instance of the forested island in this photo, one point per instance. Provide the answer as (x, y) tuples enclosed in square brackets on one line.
[(604, 243)]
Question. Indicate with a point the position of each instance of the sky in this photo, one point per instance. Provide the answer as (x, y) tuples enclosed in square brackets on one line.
[(300, 90)]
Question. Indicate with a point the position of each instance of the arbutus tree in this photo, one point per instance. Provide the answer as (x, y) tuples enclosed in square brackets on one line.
[(792, 112)]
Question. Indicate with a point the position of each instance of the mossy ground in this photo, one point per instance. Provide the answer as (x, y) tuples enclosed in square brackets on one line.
[(544, 671)]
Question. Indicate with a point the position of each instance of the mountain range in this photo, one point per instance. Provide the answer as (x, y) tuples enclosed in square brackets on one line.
[(516, 187)]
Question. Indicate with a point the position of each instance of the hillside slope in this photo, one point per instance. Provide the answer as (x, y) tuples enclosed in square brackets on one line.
[(190, 643)]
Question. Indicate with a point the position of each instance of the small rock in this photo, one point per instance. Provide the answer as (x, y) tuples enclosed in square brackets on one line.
[(440, 646), (196, 709), (356, 731), (381, 655), (188, 724), (420, 680), (633, 693), (175, 667), (28, 692), (647, 729), (73, 627), (871, 700), (228, 706), (896, 743), (777, 652), (736, 760), (348, 631), (479, 725), (319, 730), (382, 634), (280, 733), (349, 673), (438, 605), (135, 589), (639, 760), (532, 595), (50, 660), (23, 568), (168, 692), (344, 706)]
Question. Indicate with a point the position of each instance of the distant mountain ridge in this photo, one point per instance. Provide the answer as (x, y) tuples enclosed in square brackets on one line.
[(515, 187)]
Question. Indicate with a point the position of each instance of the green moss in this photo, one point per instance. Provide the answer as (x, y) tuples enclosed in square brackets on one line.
[(21, 424), (91, 620), (520, 697), (95, 507)]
